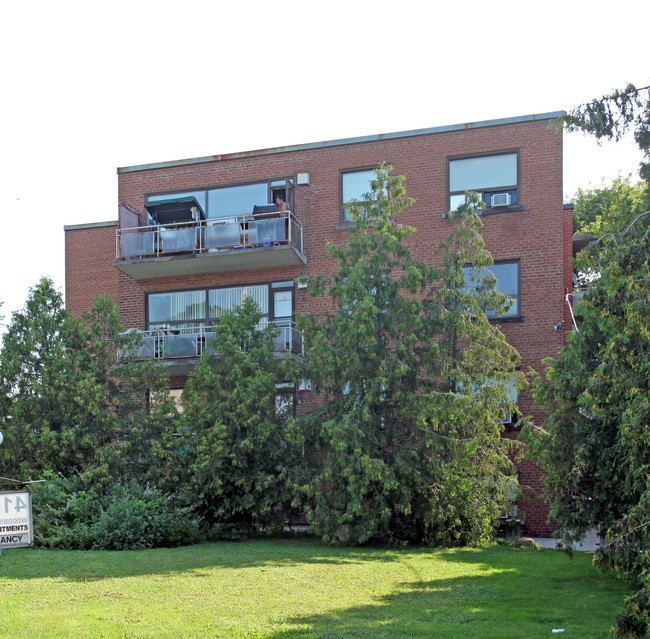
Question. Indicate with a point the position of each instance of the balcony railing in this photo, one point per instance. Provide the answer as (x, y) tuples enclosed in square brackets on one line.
[(183, 343), (210, 236)]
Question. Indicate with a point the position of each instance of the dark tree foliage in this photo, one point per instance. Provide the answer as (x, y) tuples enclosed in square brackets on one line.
[(51, 408), (406, 445), (594, 444), (69, 406), (612, 116), (239, 457), (142, 445)]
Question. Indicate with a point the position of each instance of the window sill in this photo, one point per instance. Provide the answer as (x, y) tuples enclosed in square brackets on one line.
[(483, 212), (344, 226), (507, 319), (505, 209)]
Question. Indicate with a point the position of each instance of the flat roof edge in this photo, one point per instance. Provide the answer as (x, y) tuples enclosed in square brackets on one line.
[(356, 140), (89, 225)]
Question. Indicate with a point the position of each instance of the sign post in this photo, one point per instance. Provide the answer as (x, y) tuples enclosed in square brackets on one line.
[(16, 526)]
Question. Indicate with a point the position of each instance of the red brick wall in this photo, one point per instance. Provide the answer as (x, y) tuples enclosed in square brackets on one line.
[(538, 236), (89, 271)]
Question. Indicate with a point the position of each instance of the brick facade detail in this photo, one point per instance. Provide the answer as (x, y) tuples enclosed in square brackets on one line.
[(89, 272)]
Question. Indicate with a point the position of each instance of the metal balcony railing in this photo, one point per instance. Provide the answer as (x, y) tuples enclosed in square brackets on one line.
[(212, 235), (181, 343)]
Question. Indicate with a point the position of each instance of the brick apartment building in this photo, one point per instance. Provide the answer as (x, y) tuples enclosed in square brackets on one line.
[(195, 236)]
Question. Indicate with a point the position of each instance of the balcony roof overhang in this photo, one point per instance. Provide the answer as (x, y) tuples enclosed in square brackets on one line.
[(243, 259)]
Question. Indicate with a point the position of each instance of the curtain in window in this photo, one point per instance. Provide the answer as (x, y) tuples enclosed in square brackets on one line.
[(176, 307), (188, 305), (225, 299)]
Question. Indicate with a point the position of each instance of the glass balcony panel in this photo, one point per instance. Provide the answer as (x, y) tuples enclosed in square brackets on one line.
[(174, 240), (135, 244), (162, 250), (194, 341), (222, 236), (182, 345)]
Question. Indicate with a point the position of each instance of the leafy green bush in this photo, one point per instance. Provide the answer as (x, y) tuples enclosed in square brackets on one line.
[(64, 510), (69, 515)]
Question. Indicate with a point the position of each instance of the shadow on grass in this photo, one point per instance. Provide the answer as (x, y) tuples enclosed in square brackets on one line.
[(507, 600), (454, 593), (78, 565)]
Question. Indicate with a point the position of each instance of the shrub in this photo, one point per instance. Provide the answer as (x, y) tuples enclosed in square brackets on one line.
[(69, 515)]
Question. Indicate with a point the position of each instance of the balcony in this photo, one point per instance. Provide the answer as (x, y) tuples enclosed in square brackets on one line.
[(181, 349), (237, 243)]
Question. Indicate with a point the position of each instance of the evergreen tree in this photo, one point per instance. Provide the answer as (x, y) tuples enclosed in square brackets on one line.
[(614, 115), (70, 406), (594, 443), (413, 377), (140, 443), (52, 417), (239, 457)]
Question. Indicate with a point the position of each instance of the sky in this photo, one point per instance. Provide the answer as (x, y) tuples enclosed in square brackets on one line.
[(87, 87)]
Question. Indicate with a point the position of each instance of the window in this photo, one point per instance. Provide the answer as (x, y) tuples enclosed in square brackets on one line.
[(508, 391), (284, 399), (511, 393), (222, 300), (354, 186), (205, 306), (179, 320), (176, 395), (494, 177), (234, 200), (182, 309), (507, 277)]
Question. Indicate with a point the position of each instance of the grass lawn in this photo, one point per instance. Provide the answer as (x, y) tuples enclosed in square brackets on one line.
[(284, 589)]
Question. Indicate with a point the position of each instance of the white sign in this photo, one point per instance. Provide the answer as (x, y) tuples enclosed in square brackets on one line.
[(16, 527)]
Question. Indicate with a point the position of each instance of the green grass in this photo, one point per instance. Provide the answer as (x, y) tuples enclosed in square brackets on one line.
[(284, 589)]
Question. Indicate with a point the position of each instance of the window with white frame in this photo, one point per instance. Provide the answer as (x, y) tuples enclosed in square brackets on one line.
[(494, 177), (355, 185), (507, 283)]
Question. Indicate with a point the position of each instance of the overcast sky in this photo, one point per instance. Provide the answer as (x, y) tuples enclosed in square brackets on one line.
[(88, 87)]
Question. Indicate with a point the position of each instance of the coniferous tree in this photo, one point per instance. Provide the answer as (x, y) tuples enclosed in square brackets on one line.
[(70, 406), (413, 377), (594, 443), (49, 424), (236, 423)]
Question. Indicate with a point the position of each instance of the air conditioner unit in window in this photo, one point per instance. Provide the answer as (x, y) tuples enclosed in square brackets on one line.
[(500, 199)]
